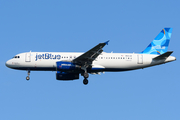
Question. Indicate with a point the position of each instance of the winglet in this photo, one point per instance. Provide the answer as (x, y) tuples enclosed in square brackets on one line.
[(107, 42)]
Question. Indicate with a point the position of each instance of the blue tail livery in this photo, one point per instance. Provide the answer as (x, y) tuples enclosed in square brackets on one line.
[(160, 44)]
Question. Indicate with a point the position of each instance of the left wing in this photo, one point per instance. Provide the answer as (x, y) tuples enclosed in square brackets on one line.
[(88, 57)]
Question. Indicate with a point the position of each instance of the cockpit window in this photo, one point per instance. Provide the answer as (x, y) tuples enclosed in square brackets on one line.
[(16, 57)]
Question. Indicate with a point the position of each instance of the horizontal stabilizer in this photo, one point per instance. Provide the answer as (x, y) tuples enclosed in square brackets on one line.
[(163, 56)]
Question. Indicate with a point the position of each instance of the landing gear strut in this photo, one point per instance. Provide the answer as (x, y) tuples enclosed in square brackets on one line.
[(85, 75), (27, 78)]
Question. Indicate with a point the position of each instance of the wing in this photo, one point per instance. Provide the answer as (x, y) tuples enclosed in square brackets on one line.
[(88, 57)]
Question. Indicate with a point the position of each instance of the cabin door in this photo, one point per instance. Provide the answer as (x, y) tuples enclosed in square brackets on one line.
[(140, 59), (28, 57)]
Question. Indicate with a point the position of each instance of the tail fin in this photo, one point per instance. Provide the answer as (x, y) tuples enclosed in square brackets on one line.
[(160, 44)]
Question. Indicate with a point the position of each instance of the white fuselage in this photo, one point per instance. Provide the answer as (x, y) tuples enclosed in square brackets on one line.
[(46, 61)]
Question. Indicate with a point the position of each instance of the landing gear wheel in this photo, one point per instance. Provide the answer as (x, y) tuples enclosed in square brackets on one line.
[(27, 78), (85, 81)]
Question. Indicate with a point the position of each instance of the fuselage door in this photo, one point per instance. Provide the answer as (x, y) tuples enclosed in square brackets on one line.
[(140, 59), (28, 57)]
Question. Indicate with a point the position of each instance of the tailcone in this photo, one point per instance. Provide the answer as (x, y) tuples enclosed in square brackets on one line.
[(170, 59)]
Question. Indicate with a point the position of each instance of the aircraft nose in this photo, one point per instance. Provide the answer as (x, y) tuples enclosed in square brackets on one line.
[(8, 63)]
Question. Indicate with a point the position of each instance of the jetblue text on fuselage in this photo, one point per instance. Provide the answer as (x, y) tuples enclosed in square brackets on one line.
[(47, 56)]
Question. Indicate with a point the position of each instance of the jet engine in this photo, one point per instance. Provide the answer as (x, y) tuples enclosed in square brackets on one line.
[(66, 76), (65, 66)]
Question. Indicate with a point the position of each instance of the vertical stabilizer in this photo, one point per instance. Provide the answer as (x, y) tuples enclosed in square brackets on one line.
[(160, 44)]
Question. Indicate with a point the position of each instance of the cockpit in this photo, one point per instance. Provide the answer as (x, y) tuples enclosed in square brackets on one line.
[(16, 57)]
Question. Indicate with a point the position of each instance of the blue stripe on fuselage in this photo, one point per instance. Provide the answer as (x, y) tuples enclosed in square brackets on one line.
[(54, 69)]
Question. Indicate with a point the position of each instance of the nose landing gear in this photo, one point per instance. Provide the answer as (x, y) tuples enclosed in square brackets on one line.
[(27, 78)]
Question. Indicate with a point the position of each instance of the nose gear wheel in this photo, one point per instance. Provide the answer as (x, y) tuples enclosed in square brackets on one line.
[(27, 78)]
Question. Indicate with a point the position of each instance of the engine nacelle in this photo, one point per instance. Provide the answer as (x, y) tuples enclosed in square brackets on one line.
[(64, 65), (66, 76)]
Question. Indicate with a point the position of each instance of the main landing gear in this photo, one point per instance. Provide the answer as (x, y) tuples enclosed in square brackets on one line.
[(85, 75), (85, 81), (27, 78)]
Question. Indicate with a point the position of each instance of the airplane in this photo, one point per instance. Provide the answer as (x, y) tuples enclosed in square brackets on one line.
[(68, 65)]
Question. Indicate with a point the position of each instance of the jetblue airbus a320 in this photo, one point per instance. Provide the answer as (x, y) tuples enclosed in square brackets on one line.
[(68, 65)]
